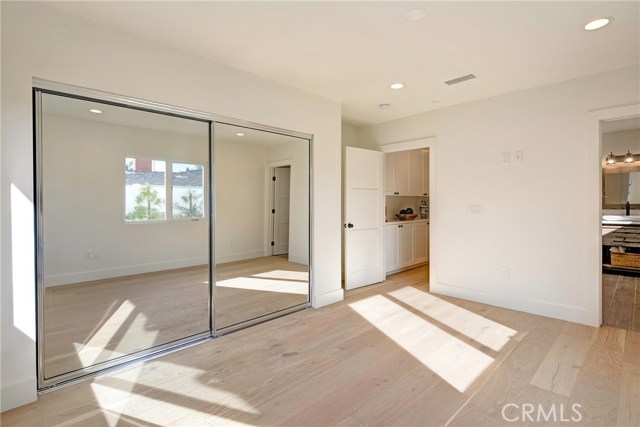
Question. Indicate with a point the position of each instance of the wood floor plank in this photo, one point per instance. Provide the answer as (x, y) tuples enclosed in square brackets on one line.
[(629, 400), (598, 384), (559, 370)]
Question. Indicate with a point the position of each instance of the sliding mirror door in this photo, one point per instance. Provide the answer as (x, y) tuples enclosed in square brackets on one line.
[(261, 224), (123, 201)]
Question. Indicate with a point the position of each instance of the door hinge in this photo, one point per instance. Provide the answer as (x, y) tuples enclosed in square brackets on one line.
[(274, 178), (273, 243), (273, 211)]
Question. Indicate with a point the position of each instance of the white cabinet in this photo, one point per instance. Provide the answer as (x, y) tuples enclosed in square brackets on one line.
[(405, 172), (391, 247), (425, 172), (421, 242), (396, 173), (405, 245)]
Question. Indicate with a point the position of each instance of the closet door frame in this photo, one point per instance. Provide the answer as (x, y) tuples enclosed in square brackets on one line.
[(40, 87)]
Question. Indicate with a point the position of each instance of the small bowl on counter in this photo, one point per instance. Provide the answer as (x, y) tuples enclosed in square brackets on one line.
[(406, 217)]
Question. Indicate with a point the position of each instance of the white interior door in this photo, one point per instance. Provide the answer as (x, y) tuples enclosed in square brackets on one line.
[(281, 197), (364, 217)]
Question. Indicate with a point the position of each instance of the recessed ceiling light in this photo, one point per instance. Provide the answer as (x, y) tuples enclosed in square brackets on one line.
[(598, 23), (416, 14), (384, 106), (95, 111), (396, 86), (239, 134)]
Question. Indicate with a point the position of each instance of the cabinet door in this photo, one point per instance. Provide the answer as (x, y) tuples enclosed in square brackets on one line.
[(416, 186), (388, 173), (405, 245), (390, 247), (401, 173), (425, 172), (420, 242)]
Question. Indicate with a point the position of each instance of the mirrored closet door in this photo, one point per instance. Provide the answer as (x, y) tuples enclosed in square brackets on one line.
[(261, 224), (123, 227)]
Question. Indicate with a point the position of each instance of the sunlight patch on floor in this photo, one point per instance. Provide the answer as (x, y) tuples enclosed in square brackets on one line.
[(141, 394), (302, 276), (265, 285), (455, 361), (135, 337), (478, 328)]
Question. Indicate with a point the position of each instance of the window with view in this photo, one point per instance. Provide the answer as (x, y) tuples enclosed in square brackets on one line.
[(150, 191), (187, 186), (145, 189)]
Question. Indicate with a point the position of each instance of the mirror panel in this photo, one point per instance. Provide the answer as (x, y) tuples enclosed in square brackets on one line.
[(125, 232), (620, 188), (254, 277)]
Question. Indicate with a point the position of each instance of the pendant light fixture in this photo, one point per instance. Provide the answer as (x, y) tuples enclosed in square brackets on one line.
[(628, 158)]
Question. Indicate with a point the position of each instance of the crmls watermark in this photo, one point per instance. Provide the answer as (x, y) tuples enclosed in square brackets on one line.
[(512, 412)]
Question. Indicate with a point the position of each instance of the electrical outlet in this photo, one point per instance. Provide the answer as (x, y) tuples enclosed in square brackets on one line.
[(506, 158), (505, 272), (88, 255)]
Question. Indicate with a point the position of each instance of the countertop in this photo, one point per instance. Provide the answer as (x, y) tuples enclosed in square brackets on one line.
[(620, 220), (397, 221)]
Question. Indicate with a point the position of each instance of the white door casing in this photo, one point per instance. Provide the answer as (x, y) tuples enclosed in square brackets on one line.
[(281, 203), (364, 217)]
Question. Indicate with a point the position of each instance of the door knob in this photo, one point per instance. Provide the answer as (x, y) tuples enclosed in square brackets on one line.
[(349, 225)]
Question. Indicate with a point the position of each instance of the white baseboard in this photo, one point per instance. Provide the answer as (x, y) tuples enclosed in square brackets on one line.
[(239, 256), (107, 273), (318, 301), (18, 393), (566, 312)]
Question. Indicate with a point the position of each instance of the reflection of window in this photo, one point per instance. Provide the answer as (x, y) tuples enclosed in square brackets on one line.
[(145, 189), (187, 186), (149, 191)]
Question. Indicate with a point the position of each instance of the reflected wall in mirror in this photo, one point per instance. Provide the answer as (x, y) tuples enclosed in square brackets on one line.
[(125, 232), (262, 196)]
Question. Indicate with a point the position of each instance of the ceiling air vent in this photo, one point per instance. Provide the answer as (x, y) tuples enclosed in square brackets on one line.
[(460, 79)]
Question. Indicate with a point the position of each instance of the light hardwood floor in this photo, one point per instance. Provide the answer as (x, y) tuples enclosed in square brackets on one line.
[(621, 301), (390, 354), (91, 322)]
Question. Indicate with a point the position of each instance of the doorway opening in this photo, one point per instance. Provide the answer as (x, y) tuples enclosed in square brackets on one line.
[(280, 209), (620, 158)]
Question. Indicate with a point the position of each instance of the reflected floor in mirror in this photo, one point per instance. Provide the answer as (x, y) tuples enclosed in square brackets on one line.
[(92, 322), (256, 287)]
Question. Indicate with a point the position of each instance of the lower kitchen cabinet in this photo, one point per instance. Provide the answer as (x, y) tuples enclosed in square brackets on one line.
[(405, 245)]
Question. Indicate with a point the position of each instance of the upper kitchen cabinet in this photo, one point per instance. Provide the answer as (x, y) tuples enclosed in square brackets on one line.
[(406, 173)]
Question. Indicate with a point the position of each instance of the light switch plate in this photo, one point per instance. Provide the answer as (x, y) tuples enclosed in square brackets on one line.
[(506, 158)]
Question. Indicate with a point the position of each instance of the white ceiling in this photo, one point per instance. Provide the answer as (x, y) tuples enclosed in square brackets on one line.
[(352, 51)]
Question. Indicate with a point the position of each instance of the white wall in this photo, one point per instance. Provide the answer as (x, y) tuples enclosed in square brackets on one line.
[(621, 141), (38, 41), (240, 198), (534, 214), (84, 186)]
